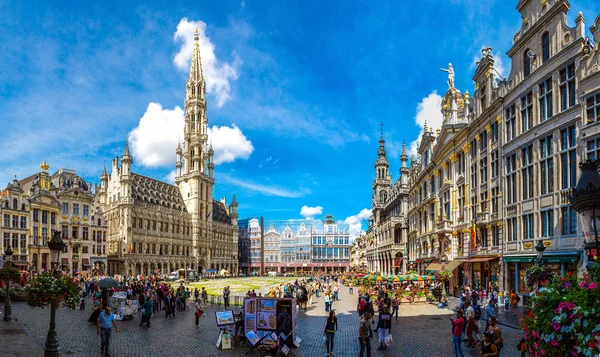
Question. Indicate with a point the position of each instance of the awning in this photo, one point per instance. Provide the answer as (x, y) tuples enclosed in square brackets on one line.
[(453, 265), (86, 261), (480, 259), (551, 257), (434, 267)]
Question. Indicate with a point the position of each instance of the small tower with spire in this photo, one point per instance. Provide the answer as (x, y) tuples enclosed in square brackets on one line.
[(126, 161), (178, 151), (382, 181), (211, 165), (233, 210), (404, 167)]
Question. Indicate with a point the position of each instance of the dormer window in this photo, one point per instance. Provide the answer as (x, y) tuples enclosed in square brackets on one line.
[(545, 46), (482, 99), (526, 63)]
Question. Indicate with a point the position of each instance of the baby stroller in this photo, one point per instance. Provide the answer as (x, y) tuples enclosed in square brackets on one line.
[(127, 310)]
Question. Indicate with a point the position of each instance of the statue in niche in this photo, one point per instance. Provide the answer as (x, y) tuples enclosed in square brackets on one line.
[(450, 72)]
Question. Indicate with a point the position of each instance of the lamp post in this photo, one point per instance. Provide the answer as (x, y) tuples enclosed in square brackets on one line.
[(56, 245), (444, 260), (539, 248), (7, 303), (585, 199)]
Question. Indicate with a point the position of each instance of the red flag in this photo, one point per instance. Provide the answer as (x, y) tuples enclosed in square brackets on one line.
[(474, 237)]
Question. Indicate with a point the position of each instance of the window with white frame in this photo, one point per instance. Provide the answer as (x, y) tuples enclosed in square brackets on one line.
[(511, 178), (461, 202), (546, 165), (483, 196), (547, 218), (511, 229), (483, 170), (495, 236), (527, 171), (474, 181), (65, 208), (494, 159), (593, 149), (568, 157), (494, 131), (494, 200), (569, 220), (526, 112), (545, 99), (528, 226), (567, 86), (483, 142), (592, 108), (511, 124)]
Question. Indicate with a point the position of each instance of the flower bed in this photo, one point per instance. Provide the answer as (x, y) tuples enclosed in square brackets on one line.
[(564, 318)]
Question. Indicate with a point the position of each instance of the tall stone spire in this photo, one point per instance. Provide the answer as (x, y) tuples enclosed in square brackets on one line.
[(196, 67)]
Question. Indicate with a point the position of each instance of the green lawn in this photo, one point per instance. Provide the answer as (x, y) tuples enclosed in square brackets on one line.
[(239, 285)]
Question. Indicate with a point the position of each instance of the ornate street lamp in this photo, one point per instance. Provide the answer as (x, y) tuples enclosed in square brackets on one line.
[(444, 260), (539, 248), (8, 253), (56, 245), (585, 198)]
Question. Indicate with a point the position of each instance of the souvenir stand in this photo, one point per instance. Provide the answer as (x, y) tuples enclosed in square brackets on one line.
[(260, 323), (226, 322)]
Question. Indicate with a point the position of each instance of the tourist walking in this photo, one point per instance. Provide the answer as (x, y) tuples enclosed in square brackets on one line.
[(491, 310), (336, 290), (226, 293), (395, 307), (329, 333), (147, 309), (495, 333), (106, 321), (488, 347), (350, 289), (204, 296), (327, 302), (364, 335), (514, 301), (457, 328), (199, 311), (95, 311), (383, 327), (471, 325)]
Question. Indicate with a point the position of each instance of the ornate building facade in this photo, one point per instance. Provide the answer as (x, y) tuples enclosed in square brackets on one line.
[(158, 227), (387, 233), (492, 181), (35, 207)]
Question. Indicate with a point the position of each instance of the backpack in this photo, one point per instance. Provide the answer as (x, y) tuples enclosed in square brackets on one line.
[(477, 314), (518, 299)]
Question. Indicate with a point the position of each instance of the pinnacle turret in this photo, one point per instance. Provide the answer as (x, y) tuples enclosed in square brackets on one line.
[(196, 66)]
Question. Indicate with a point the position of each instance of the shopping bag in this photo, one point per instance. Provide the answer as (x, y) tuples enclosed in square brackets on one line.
[(324, 341), (388, 340)]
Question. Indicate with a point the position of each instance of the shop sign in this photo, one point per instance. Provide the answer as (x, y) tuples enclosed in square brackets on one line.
[(528, 245), (547, 243)]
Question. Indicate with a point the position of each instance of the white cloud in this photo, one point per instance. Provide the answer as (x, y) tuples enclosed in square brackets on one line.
[(154, 140), (170, 178), (265, 189), (311, 212), (229, 144), (428, 110), (355, 222), (218, 75)]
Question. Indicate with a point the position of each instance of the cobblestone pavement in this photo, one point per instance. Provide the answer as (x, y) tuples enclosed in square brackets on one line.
[(421, 330)]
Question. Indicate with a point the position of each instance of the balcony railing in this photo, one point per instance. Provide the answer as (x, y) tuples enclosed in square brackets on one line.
[(483, 217)]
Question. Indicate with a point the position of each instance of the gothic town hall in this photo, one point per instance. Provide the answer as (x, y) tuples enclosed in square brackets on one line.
[(157, 227)]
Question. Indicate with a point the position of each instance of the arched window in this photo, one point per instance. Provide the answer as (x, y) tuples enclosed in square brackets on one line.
[(526, 63), (545, 46)]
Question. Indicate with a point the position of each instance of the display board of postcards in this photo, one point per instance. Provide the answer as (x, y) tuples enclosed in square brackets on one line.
[(260, 316)]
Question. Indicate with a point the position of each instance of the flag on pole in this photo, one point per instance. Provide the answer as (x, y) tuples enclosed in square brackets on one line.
[(474, 236)]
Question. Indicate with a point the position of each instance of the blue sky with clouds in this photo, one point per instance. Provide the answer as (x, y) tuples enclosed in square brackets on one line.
[(297, 89)]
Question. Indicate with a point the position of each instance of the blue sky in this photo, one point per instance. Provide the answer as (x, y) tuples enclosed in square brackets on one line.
[(297, 89)]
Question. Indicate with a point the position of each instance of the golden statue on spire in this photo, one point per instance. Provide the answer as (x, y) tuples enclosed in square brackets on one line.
[(44, 166)]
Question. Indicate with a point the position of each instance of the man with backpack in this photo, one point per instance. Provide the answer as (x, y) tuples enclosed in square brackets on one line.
[(364, 335)]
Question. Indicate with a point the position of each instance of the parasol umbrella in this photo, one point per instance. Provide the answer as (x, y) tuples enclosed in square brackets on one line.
[(395, 278), (413, 277), (367, 277), (108, 283), (359, 274), (428, 277)]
